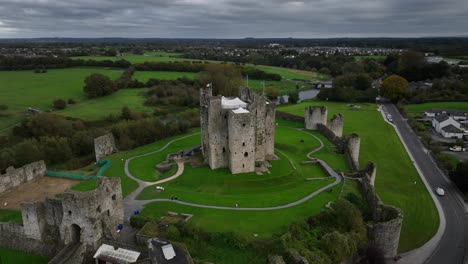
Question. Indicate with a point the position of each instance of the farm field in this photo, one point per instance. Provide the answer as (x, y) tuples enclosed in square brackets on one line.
[(42, 89), (396, 174), (100, 108), (292, 74), (144, 76), (10, 256), (418, 109)]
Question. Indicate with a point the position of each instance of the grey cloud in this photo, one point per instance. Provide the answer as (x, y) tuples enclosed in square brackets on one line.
[(231, 18)]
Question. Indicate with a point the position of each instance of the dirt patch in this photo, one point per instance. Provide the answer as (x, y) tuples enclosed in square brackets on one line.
[(36, 190)]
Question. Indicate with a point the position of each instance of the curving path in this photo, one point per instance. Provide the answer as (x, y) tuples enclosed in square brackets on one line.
[(131, 204)]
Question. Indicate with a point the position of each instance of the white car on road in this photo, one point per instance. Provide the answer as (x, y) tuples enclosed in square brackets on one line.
[(440, 191)]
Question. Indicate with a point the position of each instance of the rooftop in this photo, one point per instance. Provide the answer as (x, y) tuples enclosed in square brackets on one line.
[(232, 103), (442, 117), (120, 255), (448, 111), (240, 110), (452, 129)]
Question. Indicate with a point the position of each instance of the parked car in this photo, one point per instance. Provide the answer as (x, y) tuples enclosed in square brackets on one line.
[(457, 149), (160, 188), (440, 191)]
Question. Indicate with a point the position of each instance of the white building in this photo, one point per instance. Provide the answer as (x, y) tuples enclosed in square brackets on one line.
[(447, 126)]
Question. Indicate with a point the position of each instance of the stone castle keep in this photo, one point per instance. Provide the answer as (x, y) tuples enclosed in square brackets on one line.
[(236, 132)]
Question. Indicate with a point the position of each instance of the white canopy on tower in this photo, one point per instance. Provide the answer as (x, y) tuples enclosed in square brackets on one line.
[(232, 103), (240, 110)]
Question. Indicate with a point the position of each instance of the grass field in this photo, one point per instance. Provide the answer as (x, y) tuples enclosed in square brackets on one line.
[(292, 74), (418, 109), (144, 76), (10, 256), (219, 187), (7, 215), (23, 89), (395, 172), (100, 108)]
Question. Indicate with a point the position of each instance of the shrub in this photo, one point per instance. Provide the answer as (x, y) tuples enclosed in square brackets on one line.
[(3, 107), (60, 104)]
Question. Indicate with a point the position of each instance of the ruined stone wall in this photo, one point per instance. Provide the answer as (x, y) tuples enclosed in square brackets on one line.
[(328, 134), (104, 146), (384, 231), (290, 117), (205, 94), (315, 115), (95, 213), (12, 236), (246, 94), (15, 177), (241, 142), (217, 134), (353, 146), (270, 125), (336, 125)]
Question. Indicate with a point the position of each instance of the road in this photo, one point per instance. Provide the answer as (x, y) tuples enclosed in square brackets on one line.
[(453, 245)]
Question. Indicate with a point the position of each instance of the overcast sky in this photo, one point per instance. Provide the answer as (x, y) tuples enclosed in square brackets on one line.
[(232, 18)]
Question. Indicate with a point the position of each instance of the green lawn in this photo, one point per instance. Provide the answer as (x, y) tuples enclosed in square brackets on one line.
[(292, 74), (219, 187), (144, 76), (8, 215), (164, 53), (418, 109), (395, 172), (23, 89), (247, 223), (10, 256), (100, 108)]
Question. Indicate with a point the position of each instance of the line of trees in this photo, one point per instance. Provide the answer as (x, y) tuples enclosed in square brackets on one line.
[(27, 63)]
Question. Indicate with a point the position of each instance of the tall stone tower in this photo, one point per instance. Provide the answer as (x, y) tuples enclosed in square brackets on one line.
[(315, 115), (336, 125), (236, 132)]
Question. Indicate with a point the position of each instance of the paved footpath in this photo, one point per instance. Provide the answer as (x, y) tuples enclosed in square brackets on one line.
[(132, 204)]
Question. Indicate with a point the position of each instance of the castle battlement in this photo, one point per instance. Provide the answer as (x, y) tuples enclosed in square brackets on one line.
[(236, 131)]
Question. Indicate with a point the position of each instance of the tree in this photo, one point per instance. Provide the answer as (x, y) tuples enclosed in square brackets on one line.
[(338, 246), (460, 176), (226, 79), (97, 85), (55, 149), (394, 87), (293, 97), (126, 113), (411, 64), (27, 151), (272, 93), (60, 104)]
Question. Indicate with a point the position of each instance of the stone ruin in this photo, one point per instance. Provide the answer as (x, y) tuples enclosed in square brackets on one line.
[(384, 231), (104, 146), (353, 147), (316, 116), (336, 125), (72, 225), (15, 177), (236, 132)]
